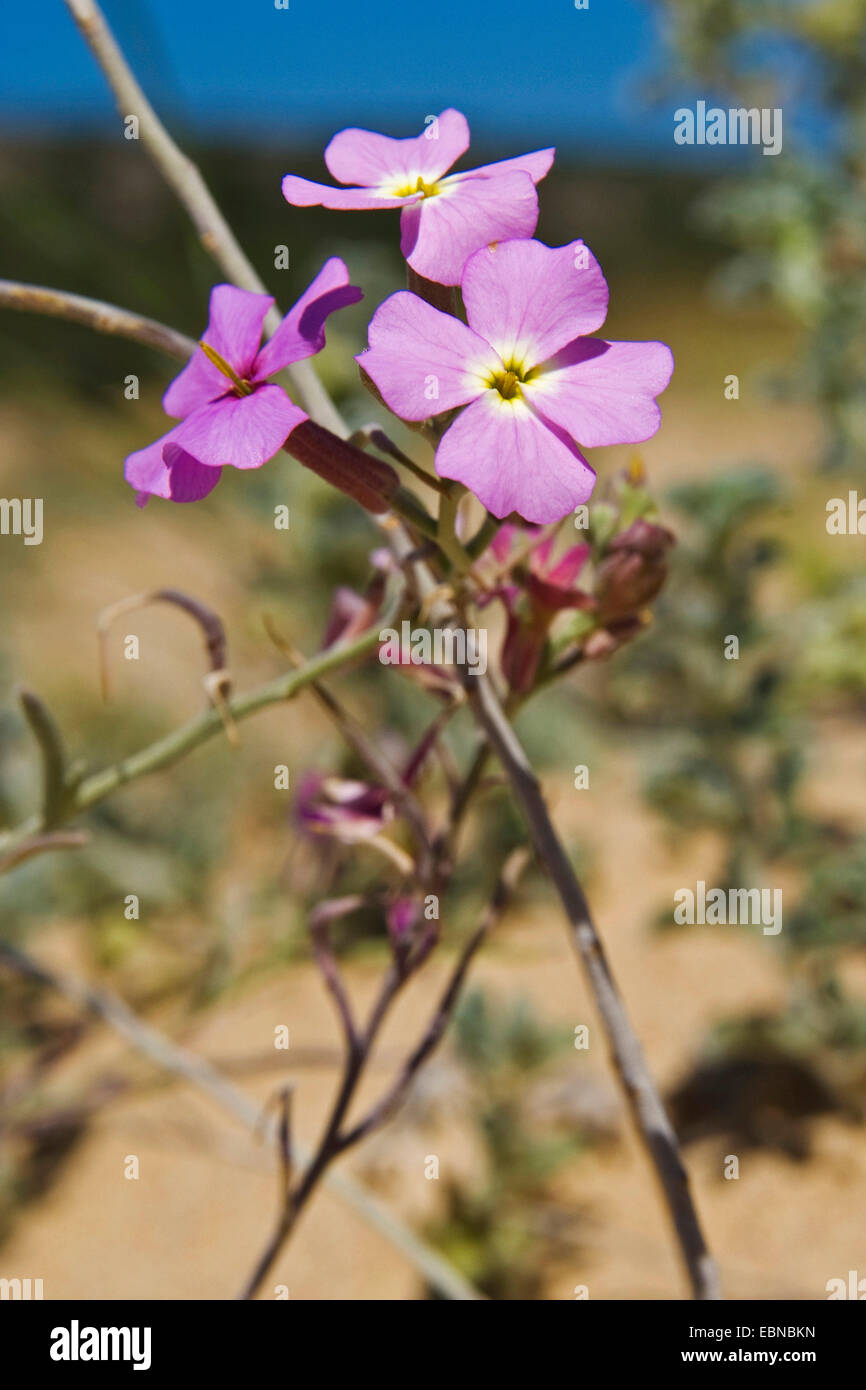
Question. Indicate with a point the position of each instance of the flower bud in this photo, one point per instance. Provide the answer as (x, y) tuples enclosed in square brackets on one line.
[(353, 613), (633, 571), (368, 480), (525, 639), (401, 916), (348, 811)]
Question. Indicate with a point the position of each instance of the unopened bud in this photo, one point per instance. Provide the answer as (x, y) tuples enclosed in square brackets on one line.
[(634, 569), (368, 480)]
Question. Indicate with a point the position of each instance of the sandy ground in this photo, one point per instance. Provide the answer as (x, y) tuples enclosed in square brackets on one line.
[(190, 1225)]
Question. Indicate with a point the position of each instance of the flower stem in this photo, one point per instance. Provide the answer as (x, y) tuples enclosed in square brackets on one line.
[(446, 530)]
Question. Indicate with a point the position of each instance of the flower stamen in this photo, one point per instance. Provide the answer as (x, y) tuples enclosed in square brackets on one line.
[(509, 381), (427, 190), (242, 387)]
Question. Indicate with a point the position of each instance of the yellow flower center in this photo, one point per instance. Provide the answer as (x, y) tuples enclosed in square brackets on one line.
[(427, 190), (509, 381)]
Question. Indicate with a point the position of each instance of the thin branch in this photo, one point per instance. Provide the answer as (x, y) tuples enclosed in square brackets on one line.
[(42, 844), (443, 1013), (184, 178), (640, 1091), (217, 682), (373, 435), (335, 1140), (320, 918), (381, 767), (93, 313), (329, 1147), (199, 1073), (465, 791), (326, 1150), (210, 623), (166, 751), (285, 1140), (56, 785)]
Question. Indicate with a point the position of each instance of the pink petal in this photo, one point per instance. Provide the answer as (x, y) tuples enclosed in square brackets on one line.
[(303, 193), (235, 330), (530, 300), (500, 546), (302, 331), (164, 469), (235, 325), (189, 480), (422, 361), (199, 382), (513, 462), (439, 234), (363, 157), (568, 567), (539, 560), (603, 393), (241, 431), (146, 469), (536, 165)]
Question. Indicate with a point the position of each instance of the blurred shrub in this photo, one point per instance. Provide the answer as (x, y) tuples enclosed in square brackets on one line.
[(506, 1230), (731, 743), (798, 219)]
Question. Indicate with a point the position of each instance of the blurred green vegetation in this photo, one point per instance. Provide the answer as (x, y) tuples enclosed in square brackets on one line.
[(735, 740), (799, 225), (732, 742), (507, 1230)]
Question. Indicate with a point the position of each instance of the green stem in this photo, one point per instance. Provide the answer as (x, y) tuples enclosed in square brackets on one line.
[(373, 436), (406, 505), (47, 735), (482, 538), (446, 530)]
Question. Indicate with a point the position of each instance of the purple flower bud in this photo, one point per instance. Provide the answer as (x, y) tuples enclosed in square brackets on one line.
[(401, 916), (347, 811), (535, 593), (634, 570), (525, 636), (352, 613), (368, 480)]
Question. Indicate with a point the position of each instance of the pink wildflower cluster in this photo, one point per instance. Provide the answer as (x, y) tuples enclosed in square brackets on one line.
[(516, 389)]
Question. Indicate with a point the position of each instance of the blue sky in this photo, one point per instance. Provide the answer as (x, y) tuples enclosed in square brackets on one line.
[(540, 72)]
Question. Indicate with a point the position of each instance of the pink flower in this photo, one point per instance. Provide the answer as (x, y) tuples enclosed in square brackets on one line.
[(548, 587), (549, 580), (230, 414), (444, 219), (533, 385)]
